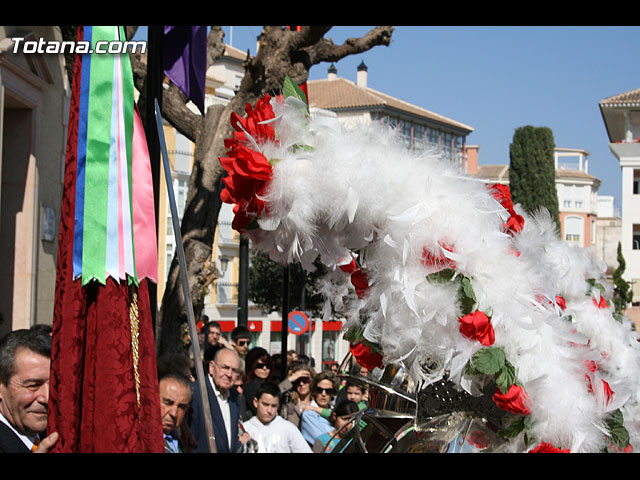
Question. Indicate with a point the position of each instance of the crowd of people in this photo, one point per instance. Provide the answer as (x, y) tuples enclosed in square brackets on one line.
[(252, 407)]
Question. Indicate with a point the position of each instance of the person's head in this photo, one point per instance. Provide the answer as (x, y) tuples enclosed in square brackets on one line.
[(225, 368), (355, 391), (323, 388), (175, 395), (24, 379), (240, 339), (258, 364), (334, 367), (266, 402), (342, 415), (212, 332), (302, 385)]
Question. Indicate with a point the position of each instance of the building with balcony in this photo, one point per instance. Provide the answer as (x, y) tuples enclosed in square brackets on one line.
[(621, 117), (419, 128)]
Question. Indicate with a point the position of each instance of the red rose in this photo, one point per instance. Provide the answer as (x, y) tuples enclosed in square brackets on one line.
[(358, 278), (249, 172), (602, 303), (365, 356), (439, 260), (561, 302), (548, 448), (515, 400), (477, 326), (515, 222)]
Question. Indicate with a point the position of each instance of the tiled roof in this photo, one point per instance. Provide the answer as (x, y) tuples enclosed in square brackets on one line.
[(622, 99), (342, 94), (497, 172)]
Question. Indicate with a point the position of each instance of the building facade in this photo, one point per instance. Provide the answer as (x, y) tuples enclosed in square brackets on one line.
[(34, 113), (621, 116)]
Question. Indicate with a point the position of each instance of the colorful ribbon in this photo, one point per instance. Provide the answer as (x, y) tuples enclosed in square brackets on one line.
[(113, 214)]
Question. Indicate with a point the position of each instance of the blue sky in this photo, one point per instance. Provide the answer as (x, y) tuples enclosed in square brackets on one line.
[(499, 78)]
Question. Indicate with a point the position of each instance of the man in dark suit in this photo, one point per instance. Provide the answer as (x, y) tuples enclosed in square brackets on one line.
[(223, 403), (24, 391)]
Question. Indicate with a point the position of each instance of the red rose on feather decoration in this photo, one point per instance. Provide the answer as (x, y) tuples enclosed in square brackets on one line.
[(602, 303), (514, 401), (548, 448), (439, 260), (359, 278), (249, 171), (502, 193), (477, 326), (561, 302), (365, 356)]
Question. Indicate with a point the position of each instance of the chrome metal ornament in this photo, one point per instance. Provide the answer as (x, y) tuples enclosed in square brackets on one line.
[(407, 418)]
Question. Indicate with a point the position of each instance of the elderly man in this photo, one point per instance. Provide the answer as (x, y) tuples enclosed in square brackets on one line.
[(175, 398), (223, 404), (25, 361)]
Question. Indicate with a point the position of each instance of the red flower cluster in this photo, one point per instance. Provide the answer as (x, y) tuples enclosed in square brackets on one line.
[(548, 448), (477, 326), (439, 261), (249, 171), (602, 303), (365, 356), (514, 401), (502, 194), (358, 278), (608, 391)]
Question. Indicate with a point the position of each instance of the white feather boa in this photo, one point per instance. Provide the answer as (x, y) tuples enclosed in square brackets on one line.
[(360, 193)]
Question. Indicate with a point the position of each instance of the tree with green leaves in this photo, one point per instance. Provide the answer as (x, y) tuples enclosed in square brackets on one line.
[(622, 294), (532, 173), (265, 285)]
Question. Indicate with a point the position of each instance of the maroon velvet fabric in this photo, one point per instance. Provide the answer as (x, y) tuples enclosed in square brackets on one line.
[(92, 399)]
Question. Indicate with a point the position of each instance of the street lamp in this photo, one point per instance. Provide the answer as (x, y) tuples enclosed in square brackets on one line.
[(224, 263)]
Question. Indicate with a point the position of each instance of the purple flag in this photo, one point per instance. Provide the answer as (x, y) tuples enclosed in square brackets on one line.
[(185, 60)]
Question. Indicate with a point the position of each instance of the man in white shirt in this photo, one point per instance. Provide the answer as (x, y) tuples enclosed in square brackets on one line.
[(273, 433)]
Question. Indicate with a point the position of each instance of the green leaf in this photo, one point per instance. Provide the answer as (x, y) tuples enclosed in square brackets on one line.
[(618, 433), (354, 334), (291, 89), (489, 360), (467, 296), (514, 429), (506, 377), (443, 276), (468, 289)]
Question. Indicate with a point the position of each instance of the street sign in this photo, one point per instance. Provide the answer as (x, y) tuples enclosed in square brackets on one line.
[(298, 322)]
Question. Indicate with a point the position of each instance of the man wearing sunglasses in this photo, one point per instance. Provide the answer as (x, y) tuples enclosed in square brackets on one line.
[(324, 387), (240, 340)]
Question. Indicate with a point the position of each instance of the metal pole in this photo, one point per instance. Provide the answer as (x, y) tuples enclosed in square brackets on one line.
[(153, 87), (285, 320), (243, 283), (193, 331)]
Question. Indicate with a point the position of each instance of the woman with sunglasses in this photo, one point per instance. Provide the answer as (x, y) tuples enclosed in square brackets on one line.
[(258, 369), (297, 391), (323, 388)]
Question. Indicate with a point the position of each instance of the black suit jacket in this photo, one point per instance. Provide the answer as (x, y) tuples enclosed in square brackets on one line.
[(197, 421), (9, 441)]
